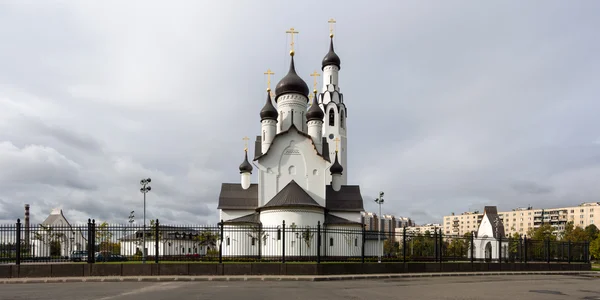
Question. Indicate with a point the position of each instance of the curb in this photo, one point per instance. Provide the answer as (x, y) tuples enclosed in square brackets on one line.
[(282, 278)]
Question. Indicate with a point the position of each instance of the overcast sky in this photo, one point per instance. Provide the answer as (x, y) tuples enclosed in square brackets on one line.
[(452, 105)]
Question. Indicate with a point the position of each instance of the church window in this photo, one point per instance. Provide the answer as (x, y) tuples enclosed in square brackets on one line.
[(330, 241), (330, 78), (264, 133), (228, 241), (182, 250), (331, 117), (292, 170), (189, 250), (278, 234), (315, 172), (253, 241), (355, 242)]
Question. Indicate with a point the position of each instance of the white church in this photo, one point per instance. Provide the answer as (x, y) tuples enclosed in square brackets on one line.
[(490, 236), (300, 157)]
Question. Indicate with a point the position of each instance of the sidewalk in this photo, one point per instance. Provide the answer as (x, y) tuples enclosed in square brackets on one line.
[(280, 278)]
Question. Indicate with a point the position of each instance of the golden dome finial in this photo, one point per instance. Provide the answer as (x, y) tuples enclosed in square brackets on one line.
[(292, 52), (268, 90)]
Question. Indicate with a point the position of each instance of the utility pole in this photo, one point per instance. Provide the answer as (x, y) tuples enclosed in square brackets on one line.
[(145, 189), (379, 201)]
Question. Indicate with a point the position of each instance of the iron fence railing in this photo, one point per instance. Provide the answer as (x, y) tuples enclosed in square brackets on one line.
[(252, 242)]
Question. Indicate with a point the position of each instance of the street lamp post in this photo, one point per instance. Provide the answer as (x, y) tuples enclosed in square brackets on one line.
[(131, 220), (379, 201), (145, 189)]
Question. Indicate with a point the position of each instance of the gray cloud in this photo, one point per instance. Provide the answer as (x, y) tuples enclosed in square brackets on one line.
[(451, 106)]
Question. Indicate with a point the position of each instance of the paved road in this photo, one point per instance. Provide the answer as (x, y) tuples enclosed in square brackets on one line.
[(482, 287)]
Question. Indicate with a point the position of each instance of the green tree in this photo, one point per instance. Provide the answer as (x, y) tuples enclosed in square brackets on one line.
[(574, 233), (595, 248), (48, 236), (592, 232), (391, 248), (103, 238), (207, 238)]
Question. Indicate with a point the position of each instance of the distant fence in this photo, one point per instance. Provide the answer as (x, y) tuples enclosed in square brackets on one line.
[(251, 242)]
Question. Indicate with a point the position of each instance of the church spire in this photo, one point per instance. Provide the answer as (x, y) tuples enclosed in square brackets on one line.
[(331, 58)]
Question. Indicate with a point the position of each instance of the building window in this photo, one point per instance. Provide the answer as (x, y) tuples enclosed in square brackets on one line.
[(253, 241), (331, 117), (228, 241), (330, 241), (278, 234), (189, 250), (355, 242)]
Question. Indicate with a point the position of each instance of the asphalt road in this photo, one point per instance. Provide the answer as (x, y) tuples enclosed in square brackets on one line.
[(482, 287)]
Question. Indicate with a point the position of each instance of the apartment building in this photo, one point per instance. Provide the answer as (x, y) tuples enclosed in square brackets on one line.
[(520, 220), (422, 229), (387, 223)]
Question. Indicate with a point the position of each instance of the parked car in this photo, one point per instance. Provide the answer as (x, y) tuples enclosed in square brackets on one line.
[(79, 255), (108, 257)]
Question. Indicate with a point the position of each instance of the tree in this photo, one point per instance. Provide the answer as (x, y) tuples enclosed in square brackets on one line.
[(391, 248), (50, 238), (542, 233), (592, 232), (103, 238), (595, 248), (575, 234), (207, 238)]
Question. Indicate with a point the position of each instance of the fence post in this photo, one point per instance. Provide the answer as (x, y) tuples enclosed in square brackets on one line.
[(404, 244), (18, 244), (362, 251), (283, 242), (521, 248), (525, 248), (472, 250), (89, 241), (435, 245), (221, 242), (548, 250), (569, 251), (318, 242), (500, 252), (585, 252), (93, 238), (441, 249), (156, 238)]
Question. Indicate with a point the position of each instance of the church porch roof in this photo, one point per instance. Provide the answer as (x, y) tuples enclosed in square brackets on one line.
[(348, 198), (233, 196), (292, 195)]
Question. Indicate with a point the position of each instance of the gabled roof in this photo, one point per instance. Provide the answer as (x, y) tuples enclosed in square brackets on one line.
[(233, 196), (292, 128), (497, 226), (292, 195), (348, 198), (335, 220), (247, 219)]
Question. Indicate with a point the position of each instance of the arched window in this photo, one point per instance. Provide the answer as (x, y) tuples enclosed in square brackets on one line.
[(331, 117), (330, 241), (264, 133), (278, 233)]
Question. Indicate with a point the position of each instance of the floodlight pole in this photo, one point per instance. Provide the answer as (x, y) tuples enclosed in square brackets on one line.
[(379, 201), (145, 189)]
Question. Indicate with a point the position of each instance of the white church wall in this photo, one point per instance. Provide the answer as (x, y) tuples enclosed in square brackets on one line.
[(339, 240), (373, 247), (240, 240), (298, 216), (292, 157), (487, 248), (165, 247), (485, 228)]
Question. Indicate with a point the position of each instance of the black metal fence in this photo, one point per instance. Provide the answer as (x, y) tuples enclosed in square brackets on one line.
[(225, 242)]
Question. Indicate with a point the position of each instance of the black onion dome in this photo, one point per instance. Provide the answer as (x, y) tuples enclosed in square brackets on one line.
[(291, 83), (336, 168), (331, 58), (246, 167), (268, 111), (315, 112)]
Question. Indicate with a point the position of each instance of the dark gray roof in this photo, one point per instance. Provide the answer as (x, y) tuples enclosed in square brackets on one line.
[(331, 58), (300, 132), (268, 112), (335, 220), (325, 151), (348, 198), (497, 225), (315, 112), (245, 167), (336, 167), (251, 219), (233, 196), (292, 195), (291, 83)]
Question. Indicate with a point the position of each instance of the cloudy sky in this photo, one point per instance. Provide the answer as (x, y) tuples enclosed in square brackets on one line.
[(452, 105)]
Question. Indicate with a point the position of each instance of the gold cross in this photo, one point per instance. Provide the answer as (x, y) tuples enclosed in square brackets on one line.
[(269, 73), (315, 75), (245, 143), (331, 22), (336, 144), (292, 32)]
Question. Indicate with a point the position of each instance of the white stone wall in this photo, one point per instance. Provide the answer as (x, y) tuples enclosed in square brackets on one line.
[(343, 240), (291, 157), (288, 103), (228, 214), (165, 247)]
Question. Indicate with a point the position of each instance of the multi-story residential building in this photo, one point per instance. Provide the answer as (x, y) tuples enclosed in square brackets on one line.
[(387, 223), (370, 220), (422, 229), (520, 220)]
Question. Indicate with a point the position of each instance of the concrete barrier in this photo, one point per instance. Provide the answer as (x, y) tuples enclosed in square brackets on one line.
[(233, 269)]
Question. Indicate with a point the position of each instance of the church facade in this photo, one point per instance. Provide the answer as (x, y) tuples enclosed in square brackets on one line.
[(300, 157)]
